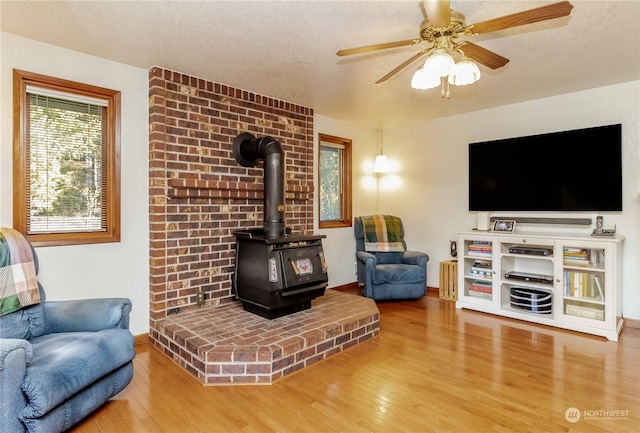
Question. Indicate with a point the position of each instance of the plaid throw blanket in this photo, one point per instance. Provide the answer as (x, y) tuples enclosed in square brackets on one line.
[(382, 233), (18, 283)]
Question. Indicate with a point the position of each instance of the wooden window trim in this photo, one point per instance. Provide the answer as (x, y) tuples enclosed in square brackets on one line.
[(20, 159), (346, 220)]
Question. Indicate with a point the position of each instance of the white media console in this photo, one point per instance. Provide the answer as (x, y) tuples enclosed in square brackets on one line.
[(561, 280)]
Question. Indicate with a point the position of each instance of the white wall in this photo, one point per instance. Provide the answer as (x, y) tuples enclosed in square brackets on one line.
[(340, 244), (90, 271), (427, 187), (431, 193)]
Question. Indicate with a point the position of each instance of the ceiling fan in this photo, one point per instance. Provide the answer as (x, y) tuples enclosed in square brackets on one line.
[(439, 34)]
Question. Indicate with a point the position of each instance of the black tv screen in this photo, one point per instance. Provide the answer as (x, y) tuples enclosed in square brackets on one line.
[(578, 170)]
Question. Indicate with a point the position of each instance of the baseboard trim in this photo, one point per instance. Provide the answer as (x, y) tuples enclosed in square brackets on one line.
[(140, 339), (433, 290), (632, 323), (350, 287), (353, 287)]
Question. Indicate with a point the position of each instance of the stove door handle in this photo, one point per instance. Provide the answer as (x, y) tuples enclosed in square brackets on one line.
[(295, 268), (303, 290)]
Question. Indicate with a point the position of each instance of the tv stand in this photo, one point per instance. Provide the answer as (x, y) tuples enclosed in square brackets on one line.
[(579, 287)]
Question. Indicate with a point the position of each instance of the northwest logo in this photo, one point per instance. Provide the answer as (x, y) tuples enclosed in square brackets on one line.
[(572, 415)]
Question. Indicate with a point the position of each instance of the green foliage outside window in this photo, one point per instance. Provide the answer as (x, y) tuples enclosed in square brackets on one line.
[(65, 165), (334, 182), (330, 183)]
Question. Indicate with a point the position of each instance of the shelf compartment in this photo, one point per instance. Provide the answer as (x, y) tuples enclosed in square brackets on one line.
[(480, 269), (588, 286), (479, 249), (585, 310), (480, 289), (540, 250), (583, 258), (535, 301), (536, 265)]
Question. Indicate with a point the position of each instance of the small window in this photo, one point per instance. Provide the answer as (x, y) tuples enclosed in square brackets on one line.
[(67, 175), (334, 180)]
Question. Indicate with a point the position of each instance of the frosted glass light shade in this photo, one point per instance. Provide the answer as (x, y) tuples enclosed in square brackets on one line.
[(464, 72), (439, 64), (381, 165), (421, 81)]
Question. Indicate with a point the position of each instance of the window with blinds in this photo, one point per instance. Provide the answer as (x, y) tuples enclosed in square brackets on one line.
[(65, 150), (68, 174)]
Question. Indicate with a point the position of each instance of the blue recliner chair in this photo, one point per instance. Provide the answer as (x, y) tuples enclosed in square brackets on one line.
[(386, 270), (60, 360)]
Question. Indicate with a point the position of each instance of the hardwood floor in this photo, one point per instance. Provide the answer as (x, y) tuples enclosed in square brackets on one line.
[(432, 369)]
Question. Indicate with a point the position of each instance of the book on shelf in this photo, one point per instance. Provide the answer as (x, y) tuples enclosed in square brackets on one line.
[(481, 243), (583, 285), (479, 294), (478, 253), (479, 287), (576, 262), (480, 248), (576, 256), (487, 264), (480, 272), (600, 291), (584, 311)]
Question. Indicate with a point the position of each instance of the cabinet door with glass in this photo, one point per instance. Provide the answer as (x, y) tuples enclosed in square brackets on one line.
[(586, 280), (477, 272)]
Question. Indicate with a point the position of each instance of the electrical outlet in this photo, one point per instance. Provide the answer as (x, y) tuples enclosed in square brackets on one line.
[(200, 298)]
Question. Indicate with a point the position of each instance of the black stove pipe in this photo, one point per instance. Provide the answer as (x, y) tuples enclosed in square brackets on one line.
[(248, 150)]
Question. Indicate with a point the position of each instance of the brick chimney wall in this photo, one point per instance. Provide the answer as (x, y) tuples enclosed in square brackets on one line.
[(199, 195)]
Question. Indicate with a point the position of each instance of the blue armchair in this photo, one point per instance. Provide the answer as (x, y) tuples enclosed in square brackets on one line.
[(61, 360), (393, 274)]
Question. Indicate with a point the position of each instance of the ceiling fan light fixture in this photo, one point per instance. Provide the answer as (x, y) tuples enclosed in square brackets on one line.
[(422, 81), (464, 72), (442, 27), (439, 63)]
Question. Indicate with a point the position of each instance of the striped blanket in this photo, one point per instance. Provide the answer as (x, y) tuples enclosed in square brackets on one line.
[(18, 283), (382, 233)]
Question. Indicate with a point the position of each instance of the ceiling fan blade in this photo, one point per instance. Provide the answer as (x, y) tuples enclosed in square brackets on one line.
[(377, 47), (402, 66), (482, 55), (543, 13), (438, 12)]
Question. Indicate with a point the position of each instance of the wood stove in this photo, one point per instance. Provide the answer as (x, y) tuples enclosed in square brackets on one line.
[(278, 276), (276, 272)]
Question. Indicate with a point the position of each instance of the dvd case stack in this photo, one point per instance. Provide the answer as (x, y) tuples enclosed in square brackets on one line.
[(576, 256), (480, 249), (481, 289)]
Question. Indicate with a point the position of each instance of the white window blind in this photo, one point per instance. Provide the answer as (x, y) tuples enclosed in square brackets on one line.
[(66, 151)]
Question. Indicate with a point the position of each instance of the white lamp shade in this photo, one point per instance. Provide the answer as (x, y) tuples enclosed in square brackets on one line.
[(464, 72), (421, 81), (381, 165), (439, 64)]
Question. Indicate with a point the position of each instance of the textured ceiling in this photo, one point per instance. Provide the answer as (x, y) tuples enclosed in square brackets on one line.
[(287, 49)]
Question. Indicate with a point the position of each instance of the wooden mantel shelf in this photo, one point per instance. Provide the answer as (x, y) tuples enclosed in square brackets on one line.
[(195, 188)]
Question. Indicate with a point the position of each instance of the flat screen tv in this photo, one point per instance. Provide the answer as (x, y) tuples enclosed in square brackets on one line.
[(569, 171)]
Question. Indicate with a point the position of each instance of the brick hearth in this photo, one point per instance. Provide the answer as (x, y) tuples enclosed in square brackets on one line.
[(199, 195), (227, 345)]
